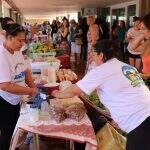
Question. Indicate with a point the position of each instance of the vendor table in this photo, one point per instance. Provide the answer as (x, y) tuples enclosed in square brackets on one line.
[(68, 130), (64, 60)]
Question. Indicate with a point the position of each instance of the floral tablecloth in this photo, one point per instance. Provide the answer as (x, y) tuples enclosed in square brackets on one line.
[(69, 129)]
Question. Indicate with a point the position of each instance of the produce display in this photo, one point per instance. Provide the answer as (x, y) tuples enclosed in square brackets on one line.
[(66, 74), (95, 99), (39, 47)]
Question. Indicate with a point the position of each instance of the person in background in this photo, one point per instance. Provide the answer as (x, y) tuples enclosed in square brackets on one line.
[(132, 34), (54, 30), (14, 77), (84, 28), (34, 30), (64, 32), (44, 31), (79, 41), (104, 28), (75, 33), (120, 33), (128, 99), (25, 54), (4, 22), (28, 33), (25, 26), (93, 32), (58, 23), (114, 28), (92, 36), (137, 45)]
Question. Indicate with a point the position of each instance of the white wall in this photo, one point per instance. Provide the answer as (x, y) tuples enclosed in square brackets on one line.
[(51, 17), (5, 9)]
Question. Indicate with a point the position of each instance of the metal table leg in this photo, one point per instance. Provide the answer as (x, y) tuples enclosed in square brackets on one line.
[(36, 142)]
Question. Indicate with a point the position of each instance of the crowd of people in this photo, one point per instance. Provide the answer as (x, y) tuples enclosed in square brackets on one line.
[(120, 86), (78, 38), (75, 37)]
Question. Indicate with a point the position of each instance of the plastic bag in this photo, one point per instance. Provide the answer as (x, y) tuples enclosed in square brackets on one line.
[(109, 139)]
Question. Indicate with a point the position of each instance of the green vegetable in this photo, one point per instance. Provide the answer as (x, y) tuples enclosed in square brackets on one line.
[(95, 99)]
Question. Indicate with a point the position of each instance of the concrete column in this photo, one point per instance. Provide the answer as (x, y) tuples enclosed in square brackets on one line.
[(144, 7), (0, 8)]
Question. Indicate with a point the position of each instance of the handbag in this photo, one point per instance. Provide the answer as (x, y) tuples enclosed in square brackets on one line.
[(109, 139)]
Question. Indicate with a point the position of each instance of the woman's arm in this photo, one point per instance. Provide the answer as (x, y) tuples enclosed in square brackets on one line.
[(17, 89), (136, 42), (71, 91), (128, 36), (28, 78)]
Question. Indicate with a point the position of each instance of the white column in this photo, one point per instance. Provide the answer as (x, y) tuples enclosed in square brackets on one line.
[(1, 8), (126, 13), (110, 18)]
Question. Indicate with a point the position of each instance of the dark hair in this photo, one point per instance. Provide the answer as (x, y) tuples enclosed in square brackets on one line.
[(114, 25), (13, 29), (65, 19), (4, 21), (146, 21), (135, 18), (123, 23), (110, 49)]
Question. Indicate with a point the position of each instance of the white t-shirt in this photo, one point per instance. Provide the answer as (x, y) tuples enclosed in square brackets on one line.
[(122, 90), (12, 69)]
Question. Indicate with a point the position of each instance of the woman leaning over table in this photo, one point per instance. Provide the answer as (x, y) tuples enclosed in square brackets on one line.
[(15, 81), (121, 89)]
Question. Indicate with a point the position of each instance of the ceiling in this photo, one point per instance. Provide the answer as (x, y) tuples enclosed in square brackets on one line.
[(43, 8)]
